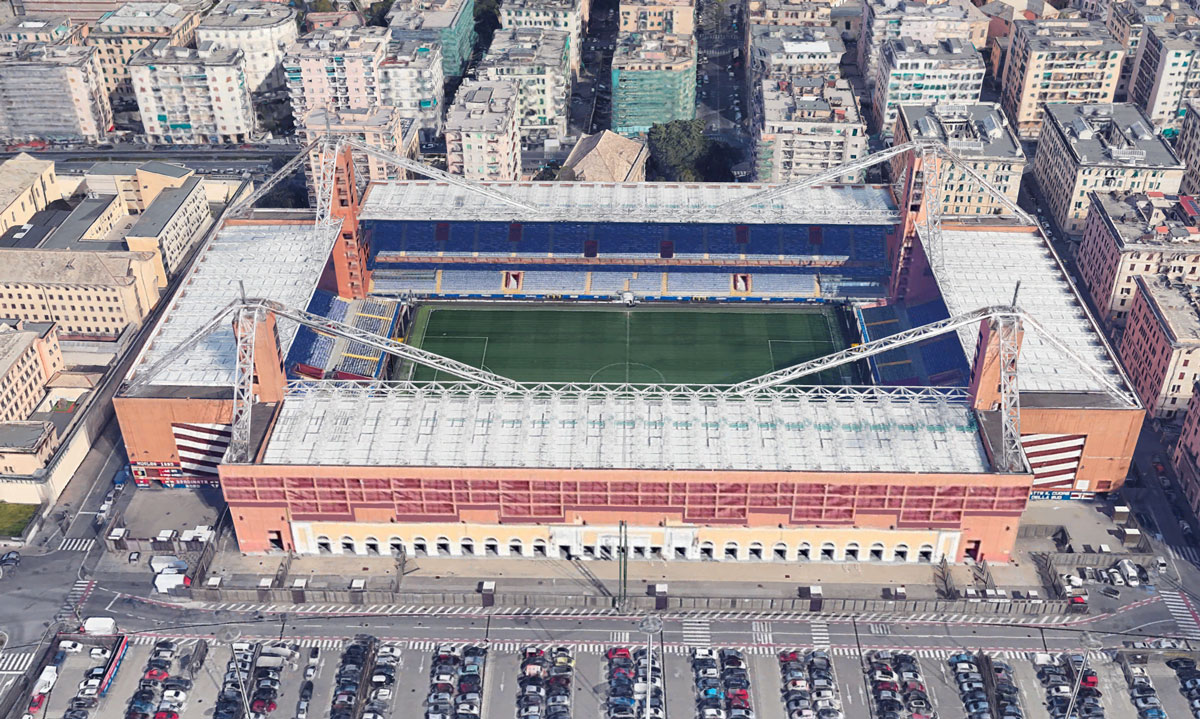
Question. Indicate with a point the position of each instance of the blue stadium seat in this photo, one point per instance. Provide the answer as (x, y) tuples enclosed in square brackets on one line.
[(698, 283), (419, 237), (471, 281), (401, 280), (782, 284), (646, 282), (604, 282), (321, 302), (927, 313), (555, 282)]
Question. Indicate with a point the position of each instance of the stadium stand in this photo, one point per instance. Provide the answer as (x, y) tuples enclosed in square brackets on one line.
[(779, 283), (568, 282), (321, 302), (471, 281), (603, 282), (402, 280), (923, 314), (698, 283)]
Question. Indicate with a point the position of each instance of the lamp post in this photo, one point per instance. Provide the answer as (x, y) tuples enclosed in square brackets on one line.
[(652, 626)]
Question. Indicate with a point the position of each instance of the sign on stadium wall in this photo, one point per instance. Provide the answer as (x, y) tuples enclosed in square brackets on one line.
[(1062, 495)]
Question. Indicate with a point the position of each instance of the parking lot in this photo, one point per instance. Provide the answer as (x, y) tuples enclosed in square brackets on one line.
[(360, 679)]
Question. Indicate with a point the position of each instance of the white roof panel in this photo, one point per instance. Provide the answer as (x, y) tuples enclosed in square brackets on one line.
[(280, 262)]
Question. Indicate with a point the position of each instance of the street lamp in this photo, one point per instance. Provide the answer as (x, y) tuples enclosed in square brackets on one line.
[(652, 625)]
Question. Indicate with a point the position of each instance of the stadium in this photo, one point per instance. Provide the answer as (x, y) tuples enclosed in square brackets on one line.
[(515, 369)]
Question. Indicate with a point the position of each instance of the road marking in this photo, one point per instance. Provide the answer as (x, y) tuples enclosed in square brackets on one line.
[(619, 637), (880, 628), (1184, 614), (76, 544), (820, 634), (15, 662), (763, 633), (697, 633)]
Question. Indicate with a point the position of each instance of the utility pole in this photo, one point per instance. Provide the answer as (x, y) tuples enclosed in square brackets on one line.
[(623, 567), (651, 625)]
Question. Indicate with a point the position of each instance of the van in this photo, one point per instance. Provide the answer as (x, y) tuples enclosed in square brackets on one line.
[(1129, 572)]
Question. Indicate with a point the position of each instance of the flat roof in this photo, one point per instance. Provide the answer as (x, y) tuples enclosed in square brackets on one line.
[(1177, 306), (664, 202), (23, 436), (975, 130), (869, 429), (17, 174), (159, 213), (68, 267), (981, 268), (69, 235), (1111, 134), (1150, 221), (280, 262)]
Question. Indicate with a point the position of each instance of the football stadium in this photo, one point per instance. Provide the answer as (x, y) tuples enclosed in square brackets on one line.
[(516, 369)]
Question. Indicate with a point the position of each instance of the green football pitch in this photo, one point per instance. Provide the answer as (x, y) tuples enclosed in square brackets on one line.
[(644, 345)]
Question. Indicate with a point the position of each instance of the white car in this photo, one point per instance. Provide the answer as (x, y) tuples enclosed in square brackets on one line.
[(387, 650), (174, 695), (381, 695), (88, 691), (472, 709), (704, 654), (69, 646), (1061, 690), (100, 653), (1116, 577)]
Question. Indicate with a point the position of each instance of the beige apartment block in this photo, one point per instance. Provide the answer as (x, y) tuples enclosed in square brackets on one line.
[(335, 69), (1127, 21), (1099, 148), (927, 23), (411, 81), (669, 16), (91, 295), (52, 92), (482, 140), (123, 33), (193, 96), (27, 185), (1160, 349), (1131, 235), (382, 127), (26, 447), (538, 62), (806, 126), (1057, 61), (1186, 457), (172, 227), (51, 29), (563, 15), (1188, 148), (29, 357), (138, 184), (917, 73), (263, 31), (806, 13), (1167, 76), (783, 52)]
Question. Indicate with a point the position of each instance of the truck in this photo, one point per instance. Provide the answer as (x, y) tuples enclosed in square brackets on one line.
[(166, 581), (159, 562), (100, 625)]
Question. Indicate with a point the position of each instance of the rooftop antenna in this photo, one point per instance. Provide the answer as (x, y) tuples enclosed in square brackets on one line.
[(1016, 290), (242, 290)]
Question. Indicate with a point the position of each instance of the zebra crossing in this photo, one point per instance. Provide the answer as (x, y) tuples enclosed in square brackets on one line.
[(15, 662), (1186, 553), (697, 633), (820, 634), (879, 628), (79, 593), (762, 633), (180, 642), (76, 544), (618, 637), (1183, 613)]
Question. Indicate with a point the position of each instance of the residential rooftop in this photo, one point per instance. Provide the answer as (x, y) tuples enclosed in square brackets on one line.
[(482, 106), (248, 14), (141, 16), (23, 436), (320, 43), (1069, 36), (14, 343), (979, 130), (795, 40), (207, 53), (41, 53), (808, 99), (528, 47), (541, 6), (1113, 135), (947, 52), (654, 50), (1151, 220), (17, 174), (1177, 306), (424, 14), (356, 119), (939, 11), (68, 267), (37, 28), (1176, 36), (414, 52), (605, 157), (151, 222)]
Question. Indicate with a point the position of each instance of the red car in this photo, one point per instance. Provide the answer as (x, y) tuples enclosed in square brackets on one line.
[(623, 672), (618, 652), (787, 656), (166, 715), (1088, 680), (35, 704), (737, 703), (157, 675), (259, 705), (738, 694), (886, 687)]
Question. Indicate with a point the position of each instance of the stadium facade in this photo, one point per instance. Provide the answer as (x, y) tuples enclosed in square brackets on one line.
[(346, 454)]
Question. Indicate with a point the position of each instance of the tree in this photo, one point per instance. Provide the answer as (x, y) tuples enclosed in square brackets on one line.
[(681, 152), (487, 20), (321, 6)]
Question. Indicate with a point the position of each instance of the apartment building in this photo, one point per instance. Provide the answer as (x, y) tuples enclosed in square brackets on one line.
[(52, 92), (675, 17), (1127, 21), (1185, 458), (927, 23), (333, 18), (335, 69), (27, 185), (121, 34), (807, 125), (411, 80), (138, 184), (383, 127), (1099, 148), (1131, 235), (1057, 61), (804, 13), (89, 294), (49, 29), (263, 31), (538, 62), (482, 140), (917, 73), (653, 81), (1160, 348), (193, 96), (1167, 74), (451, 23), (1187, 146), (783, 52), (562, 15), (172, 227), (29, 357)]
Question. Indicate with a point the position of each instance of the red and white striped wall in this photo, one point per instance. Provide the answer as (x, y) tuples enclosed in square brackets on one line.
[(1054, 458), (201, 447)]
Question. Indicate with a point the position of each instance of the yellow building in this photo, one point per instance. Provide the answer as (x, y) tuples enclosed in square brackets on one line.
[(27, 185), (29, 357), (26, 447), (172, 227), (126, 31), (136, 183)]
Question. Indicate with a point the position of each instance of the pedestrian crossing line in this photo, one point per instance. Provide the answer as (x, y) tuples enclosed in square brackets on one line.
[(180, 642), (697, 633), (80, 591), (15, 662), (820, 634), (763, 633), (1183, 613), (619, 637), (1186, 553), (880, 628), (76, 544)]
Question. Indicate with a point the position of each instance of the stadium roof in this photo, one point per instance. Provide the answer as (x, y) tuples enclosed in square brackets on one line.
[(794, 428), (629, 202), (980, 268), (274, 261)]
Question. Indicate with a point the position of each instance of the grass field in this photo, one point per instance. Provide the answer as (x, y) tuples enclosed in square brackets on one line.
[(642, 345), (15, 517)]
